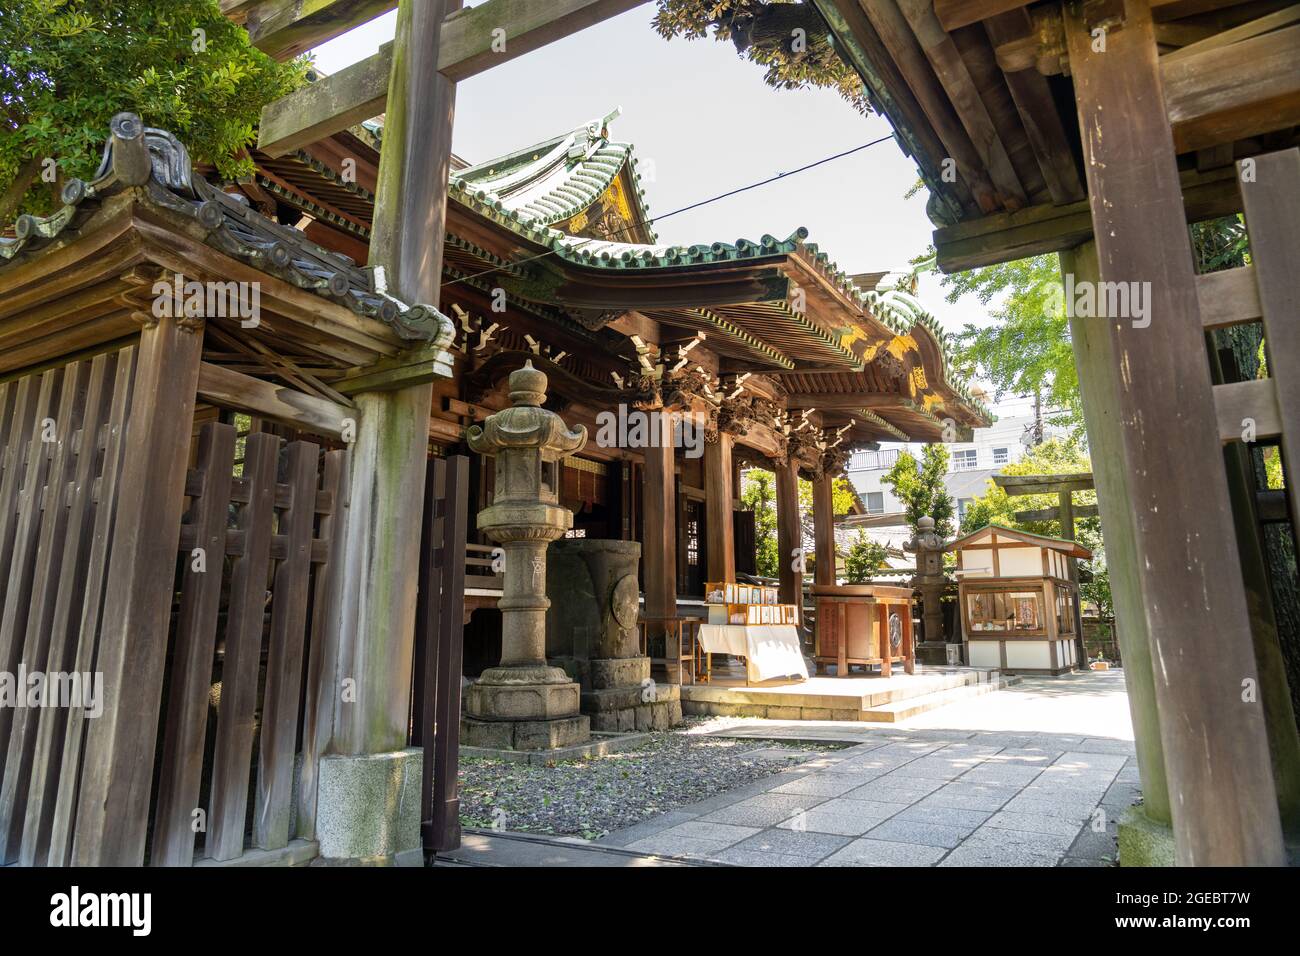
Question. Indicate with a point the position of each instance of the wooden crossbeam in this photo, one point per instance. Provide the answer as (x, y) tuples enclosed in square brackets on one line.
[(959, 13), (1228, 297), (1015, 485), (1226, 93), (1242, 407), (1257, 27), (472, 41), (1054, 514), (1047, 227), (409, 368), (220, 386), (283, 29)]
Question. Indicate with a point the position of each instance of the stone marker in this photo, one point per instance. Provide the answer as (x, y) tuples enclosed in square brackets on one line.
[(592, 633)]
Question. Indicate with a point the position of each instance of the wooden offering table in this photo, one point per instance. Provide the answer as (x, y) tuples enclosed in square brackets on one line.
[(746, 620), (863, 624)]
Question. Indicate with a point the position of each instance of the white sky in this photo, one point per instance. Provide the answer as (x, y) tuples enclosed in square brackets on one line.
[(703, 121)]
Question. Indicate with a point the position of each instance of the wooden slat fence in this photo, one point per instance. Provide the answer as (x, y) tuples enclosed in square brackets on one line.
[(260, 544), (61, 453), (256, 555)]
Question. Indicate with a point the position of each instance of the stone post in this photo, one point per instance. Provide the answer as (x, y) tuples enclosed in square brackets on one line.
[(928, 548), (525, 704), (593, 630)]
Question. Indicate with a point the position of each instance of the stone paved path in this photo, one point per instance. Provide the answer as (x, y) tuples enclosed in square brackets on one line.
[(1036, 775)]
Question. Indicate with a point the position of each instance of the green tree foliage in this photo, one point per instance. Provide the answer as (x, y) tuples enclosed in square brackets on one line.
[(758, 494), (920, 487), (1026, 350), (67, 66), (786, 36), (1056, 456), (864, 559), (842, 501)]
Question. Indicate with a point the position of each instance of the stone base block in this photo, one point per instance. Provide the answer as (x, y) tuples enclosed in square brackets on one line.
[(522, 701), (932, 652), (524, 734), (368, 809), (1143, 841), (622, 672), (655, 715)]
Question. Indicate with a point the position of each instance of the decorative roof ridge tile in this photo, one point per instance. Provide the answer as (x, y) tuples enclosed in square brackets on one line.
[(596, 162), (905, 313), (136, 156)]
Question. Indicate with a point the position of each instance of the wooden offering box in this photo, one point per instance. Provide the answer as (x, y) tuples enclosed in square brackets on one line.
[(863, 624)]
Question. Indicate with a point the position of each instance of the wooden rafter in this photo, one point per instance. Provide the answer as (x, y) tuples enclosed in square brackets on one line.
[(1223, 93), (902, 46), (1038, 112), (956, 80)]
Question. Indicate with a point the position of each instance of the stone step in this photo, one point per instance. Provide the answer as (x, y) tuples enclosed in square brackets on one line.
[(929, 681), (911, 706)]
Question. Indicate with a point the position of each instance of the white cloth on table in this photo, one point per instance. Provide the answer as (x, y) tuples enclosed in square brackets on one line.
[(771, 650)]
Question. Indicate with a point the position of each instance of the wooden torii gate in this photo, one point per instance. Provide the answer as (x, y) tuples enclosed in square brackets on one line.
[(413, 82), (1064, 486)]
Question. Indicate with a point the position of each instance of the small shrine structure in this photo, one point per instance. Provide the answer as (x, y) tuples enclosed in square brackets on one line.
[(1017, 600)]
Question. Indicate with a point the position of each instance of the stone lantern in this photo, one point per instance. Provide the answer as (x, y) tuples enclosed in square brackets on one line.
[(928, 547), (525, 704)]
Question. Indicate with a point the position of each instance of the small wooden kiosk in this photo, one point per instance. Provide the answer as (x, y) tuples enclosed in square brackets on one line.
[(863, 624), (1017, 600)]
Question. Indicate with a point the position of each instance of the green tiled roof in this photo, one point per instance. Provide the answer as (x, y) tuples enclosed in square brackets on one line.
[(554, 180)]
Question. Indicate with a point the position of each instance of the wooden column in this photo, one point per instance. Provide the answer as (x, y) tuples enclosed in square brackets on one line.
[(388, 458), (1067, 531), (1094, 358), (789, 535), (1215, 743), (823, 490), (117, 773), (659, 527), (721, 544)]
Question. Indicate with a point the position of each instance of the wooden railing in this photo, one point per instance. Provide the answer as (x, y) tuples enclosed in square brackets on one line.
[(478, 568)]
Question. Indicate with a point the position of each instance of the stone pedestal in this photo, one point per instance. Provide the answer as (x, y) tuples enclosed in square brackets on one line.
[(368, 809), (525, 703), (592, 633)]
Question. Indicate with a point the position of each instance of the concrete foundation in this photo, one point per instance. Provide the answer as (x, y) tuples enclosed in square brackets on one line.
[(368, 809), (1143, 841)]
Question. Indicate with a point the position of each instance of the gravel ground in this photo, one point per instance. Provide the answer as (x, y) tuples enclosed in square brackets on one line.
[(589, 798)]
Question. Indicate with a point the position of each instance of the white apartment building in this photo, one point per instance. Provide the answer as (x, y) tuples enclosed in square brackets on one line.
[(970, 465)]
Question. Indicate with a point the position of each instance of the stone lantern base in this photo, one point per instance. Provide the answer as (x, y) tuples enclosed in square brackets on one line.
[(524, 708)]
